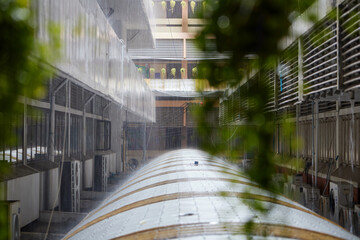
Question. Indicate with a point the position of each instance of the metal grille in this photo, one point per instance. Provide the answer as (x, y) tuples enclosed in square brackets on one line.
[(236, 105), (170, 116), (90, 136), (244, 103), (75, 136), (100, 105), (305, 108), (288, 77), (60, 96), (37, 132), (165, 49), (60, 134), (89, 108), (320, 56), (305, 135), (13, 153), (76, 97), (349, 140), (268, 76), (350, 43), (327, 106)]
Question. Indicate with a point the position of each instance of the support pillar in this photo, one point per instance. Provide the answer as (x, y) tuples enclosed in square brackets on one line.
[(144, 144), (337, 133), (313, 141), (68, 104), (297, 137), (52, 118), (24, 148), (84, 122), (316, 140)]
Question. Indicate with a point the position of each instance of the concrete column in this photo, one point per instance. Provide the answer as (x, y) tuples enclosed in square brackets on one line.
[(184, 137), (185, 17), (184, 65)]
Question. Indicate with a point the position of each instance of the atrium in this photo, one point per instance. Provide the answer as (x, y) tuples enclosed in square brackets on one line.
[(161, 119)]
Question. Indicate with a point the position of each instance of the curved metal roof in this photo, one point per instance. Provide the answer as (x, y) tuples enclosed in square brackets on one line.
[(172, 197)]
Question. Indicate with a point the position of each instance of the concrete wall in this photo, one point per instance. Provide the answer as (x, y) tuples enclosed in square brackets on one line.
[(27, 190)]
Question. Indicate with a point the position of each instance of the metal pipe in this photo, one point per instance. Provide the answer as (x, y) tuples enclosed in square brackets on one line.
[(84, 122), (68, 104), (313, 142), (297, 137), (52, 118), (316, 140), (337, 131), (144, 144)]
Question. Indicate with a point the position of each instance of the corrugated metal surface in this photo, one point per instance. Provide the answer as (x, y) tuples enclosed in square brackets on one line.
[(172, 49), (194, 53), (288, 76), (320, 56), (350, 43)]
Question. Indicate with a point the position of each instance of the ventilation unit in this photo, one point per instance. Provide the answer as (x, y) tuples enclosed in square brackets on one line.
[(297, 193), (311, 197), (341, 194), (324, 206), (101, 172), (287, 189), (356, 217), (346, 217), (246, 164), (70, 186), (13, 212)]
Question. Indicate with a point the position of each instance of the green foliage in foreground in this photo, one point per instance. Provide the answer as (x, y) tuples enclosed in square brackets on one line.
[(22, 71), (250, 33)]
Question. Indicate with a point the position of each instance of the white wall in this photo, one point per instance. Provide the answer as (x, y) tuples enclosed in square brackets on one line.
[(27, 190)]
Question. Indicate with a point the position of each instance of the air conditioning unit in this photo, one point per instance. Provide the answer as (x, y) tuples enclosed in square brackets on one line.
[(297, 193), (246, 164), (341, 193), (334, 202), (13, 213), (345, 217), (324, 206), (101, 169), (287, 189), (356, 217), (311, 197), (297, 179), (346, 194), (70, 186), (278, 180)]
